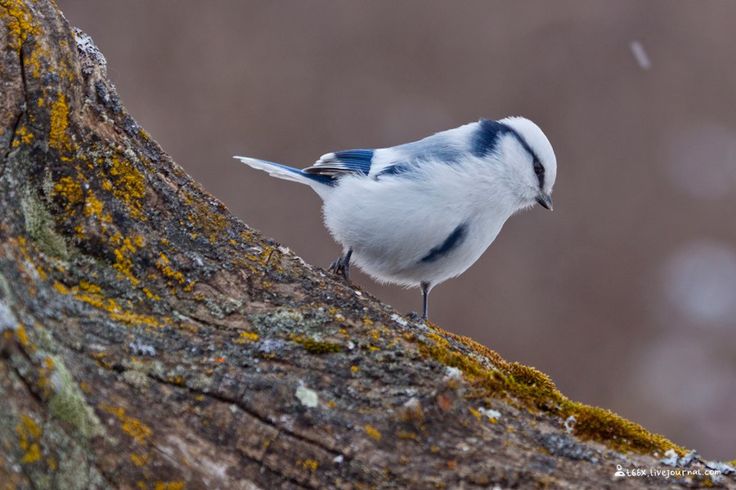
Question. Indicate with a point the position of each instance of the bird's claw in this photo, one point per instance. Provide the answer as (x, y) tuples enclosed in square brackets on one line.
[(341, 268), (415, 317)]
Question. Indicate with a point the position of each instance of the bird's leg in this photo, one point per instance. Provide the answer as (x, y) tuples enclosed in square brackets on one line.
[(342, 265), (425, 299)]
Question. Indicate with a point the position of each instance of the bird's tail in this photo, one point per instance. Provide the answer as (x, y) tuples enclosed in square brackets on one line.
[(287, 173)]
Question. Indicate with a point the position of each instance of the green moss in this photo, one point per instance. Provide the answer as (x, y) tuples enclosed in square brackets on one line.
[(40, 226), (536, 390), (605, 426), (69, 405)]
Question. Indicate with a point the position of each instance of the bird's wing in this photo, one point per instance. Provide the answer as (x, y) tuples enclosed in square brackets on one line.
[(446, 146), (342, 162), (441, 147)]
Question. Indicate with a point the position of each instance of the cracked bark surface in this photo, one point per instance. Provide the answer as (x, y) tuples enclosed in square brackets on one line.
[(149, 339)]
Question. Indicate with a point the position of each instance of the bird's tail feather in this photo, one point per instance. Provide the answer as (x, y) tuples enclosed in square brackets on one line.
[(285, 172)]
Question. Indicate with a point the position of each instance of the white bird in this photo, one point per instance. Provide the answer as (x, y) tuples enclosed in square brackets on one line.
[(420, 213)]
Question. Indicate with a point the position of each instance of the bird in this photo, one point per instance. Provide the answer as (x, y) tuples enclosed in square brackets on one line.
[(420, 213)]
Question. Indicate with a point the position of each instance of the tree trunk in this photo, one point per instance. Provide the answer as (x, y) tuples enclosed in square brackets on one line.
[(149, 339)]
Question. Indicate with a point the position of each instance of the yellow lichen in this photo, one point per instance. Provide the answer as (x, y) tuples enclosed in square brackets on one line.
[(372, 432), (354, 369), (169, 485), (124, 251), (133, 427), (475, 413), (204, 215), (246, 337), (29, 433), (22, 336), (139, 459), (89, 287), (92, 296), (22, 137), (128, 185), (19, 22), (93, 207), (71, 191), (164, 265), (406, 435), (310, 465), (58, 137)]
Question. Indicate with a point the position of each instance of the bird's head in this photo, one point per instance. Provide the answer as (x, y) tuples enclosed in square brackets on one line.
[(530, 166)]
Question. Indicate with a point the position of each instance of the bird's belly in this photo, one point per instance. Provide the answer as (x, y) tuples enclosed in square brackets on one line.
[(407, 240)]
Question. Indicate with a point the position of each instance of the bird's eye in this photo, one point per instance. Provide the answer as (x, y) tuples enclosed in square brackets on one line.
[(538, 168)]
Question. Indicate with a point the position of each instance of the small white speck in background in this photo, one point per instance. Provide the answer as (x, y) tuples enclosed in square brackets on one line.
[(640, 55)]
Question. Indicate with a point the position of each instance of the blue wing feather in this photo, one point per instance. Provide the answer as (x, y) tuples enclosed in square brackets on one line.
[(343, 162), (356, 160)]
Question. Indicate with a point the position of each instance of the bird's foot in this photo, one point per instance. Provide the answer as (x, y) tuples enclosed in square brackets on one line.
[(415, 317), (341, 267)]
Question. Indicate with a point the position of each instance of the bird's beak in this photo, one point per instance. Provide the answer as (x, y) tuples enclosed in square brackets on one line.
[(545, 200)]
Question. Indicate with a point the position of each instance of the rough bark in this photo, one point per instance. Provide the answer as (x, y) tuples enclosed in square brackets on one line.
[(149, 339)]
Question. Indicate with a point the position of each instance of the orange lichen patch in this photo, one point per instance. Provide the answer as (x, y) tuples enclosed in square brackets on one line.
[(21, 336), (125, 249), (71, 191), (137, 430), (19, 22), (164, 265), (92, 296), (93, 207), (536, 390), (22, 137), (58, 137), (372, 432), (128, 185), (29, 434)]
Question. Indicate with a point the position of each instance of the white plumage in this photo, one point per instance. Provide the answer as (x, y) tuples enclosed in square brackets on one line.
[(420, 213)]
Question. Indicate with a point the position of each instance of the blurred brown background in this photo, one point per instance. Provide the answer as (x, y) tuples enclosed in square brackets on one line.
[(625, 295)]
